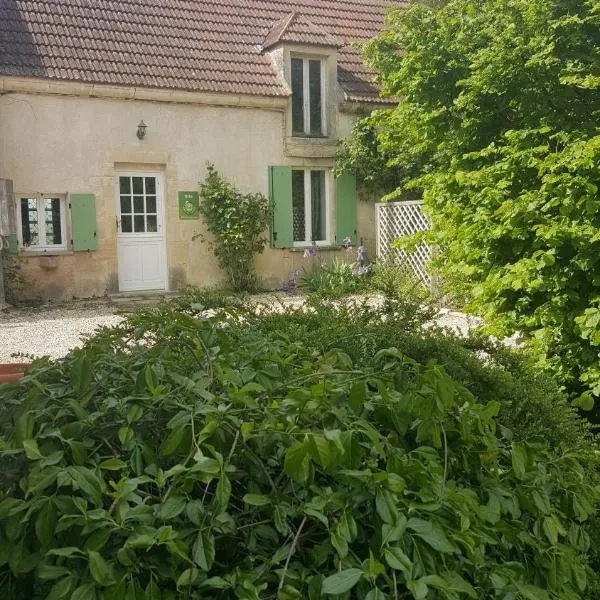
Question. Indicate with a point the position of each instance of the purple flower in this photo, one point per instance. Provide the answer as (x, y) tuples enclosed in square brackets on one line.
[(313, 250)]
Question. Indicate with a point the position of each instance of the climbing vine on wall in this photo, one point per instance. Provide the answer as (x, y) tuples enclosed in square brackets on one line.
[(238, 223)]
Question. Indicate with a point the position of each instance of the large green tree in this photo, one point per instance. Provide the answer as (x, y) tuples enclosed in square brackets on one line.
[(497, 125)]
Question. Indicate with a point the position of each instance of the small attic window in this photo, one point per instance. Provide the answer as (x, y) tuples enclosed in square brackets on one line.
[(307, 97), (308, 70)]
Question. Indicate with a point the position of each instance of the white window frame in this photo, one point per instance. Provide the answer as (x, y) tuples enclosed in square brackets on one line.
[(307, 243), (42, 246), (306, 95)]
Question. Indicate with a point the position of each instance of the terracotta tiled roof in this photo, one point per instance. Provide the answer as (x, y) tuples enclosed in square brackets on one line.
[(297, 29), (196, 45)]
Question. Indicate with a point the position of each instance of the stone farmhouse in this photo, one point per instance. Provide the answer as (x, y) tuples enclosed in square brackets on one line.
[(110, 111)]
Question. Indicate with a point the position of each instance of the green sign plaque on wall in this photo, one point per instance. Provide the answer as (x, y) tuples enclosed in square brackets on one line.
[(189, 205)]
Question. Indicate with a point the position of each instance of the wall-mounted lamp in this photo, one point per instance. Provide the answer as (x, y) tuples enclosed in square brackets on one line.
[(141, 130)]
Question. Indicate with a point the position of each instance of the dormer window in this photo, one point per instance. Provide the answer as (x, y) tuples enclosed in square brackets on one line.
[(308, 108), (305, 57)]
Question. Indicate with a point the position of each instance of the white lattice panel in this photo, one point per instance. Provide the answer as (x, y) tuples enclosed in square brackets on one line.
[(394, 220)]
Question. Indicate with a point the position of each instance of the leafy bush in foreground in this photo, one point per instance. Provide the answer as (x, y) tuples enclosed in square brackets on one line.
[(531, 403), (225, 457)]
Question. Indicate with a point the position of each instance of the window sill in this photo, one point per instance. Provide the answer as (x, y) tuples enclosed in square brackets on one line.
[(309, 136), (41, 253), (327, 247)]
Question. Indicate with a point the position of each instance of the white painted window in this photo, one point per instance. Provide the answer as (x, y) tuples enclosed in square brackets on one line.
[(42, 222), (308, 96), (310, 207)]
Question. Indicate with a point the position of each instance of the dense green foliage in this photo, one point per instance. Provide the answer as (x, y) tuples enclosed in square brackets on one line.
[(334, 280), (296, 454), (238, 223), (497, 128), (398, 281), (362, 153), (339, 279)]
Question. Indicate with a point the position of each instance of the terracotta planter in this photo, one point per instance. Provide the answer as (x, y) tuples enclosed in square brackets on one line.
[(10, 372)]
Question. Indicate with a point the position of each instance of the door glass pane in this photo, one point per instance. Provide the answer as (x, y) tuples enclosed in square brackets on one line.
[(297, 96), (138, 185), (125, 185), (151, 224), (29, 222), (318, 205), (125, 204), (126, 226), (298, 209), (52, 221), (150, 185), (314, 85), (138, 204)]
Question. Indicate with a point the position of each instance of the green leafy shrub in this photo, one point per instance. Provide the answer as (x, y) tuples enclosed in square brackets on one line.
[(532, 404), (397, 281), (363, 154), (259, 455), (497, 129), (192, 299), (238, 223), (593, 529), (333, 280)]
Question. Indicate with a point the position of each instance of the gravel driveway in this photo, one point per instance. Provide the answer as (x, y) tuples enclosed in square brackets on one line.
[(51, 330)]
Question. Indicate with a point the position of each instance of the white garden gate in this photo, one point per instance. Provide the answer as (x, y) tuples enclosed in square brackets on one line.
[(394, 220)]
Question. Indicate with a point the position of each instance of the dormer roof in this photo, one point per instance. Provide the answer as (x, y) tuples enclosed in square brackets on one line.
[(295, 28)]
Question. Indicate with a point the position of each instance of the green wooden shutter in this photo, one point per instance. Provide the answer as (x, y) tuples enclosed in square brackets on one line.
[(345, 208), (83, 222), (280, 193)]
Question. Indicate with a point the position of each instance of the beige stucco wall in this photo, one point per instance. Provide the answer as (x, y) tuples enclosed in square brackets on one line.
[(61, 144)]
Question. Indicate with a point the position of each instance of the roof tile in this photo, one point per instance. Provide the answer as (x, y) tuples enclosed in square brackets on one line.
[(195, 45)]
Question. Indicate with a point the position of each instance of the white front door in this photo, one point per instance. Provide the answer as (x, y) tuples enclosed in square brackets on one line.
[(140, 232)]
